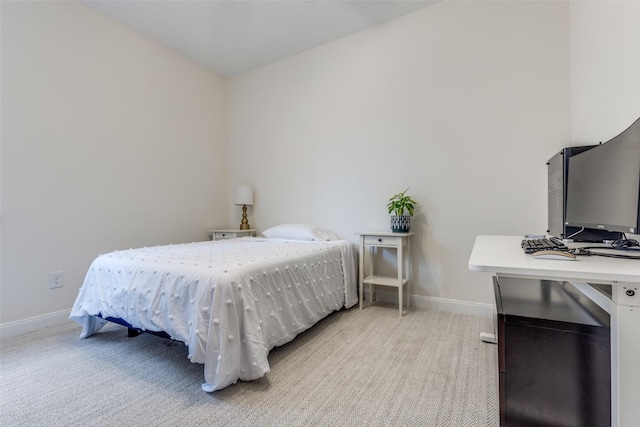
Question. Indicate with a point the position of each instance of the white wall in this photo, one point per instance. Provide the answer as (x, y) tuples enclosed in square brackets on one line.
[(463, 102), (605, 68), (109, 141)]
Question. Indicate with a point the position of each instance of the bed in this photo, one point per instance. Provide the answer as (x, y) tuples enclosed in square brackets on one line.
[(229, 301)]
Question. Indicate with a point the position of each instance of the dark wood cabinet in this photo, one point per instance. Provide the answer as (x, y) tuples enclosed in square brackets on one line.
[(553, 355)]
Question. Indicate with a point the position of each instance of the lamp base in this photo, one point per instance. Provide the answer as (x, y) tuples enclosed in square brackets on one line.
[(244, 224)]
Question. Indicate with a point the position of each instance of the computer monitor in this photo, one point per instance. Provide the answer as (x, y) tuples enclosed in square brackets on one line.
[(603, 185)]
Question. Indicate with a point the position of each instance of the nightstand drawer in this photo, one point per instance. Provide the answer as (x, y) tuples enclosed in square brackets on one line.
[(382, 241), (231, 234), (220, 235)]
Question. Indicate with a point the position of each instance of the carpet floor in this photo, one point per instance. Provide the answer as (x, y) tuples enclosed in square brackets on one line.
[(354, 368)]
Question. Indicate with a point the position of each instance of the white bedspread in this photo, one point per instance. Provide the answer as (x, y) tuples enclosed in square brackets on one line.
[(230, 301)]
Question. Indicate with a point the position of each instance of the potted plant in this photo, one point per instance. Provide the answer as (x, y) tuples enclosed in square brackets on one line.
[(401, 208)]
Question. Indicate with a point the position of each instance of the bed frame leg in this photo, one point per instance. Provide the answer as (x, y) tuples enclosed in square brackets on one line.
[(132, 333)]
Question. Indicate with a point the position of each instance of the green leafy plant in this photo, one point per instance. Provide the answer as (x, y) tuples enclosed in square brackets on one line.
[(401, 203)]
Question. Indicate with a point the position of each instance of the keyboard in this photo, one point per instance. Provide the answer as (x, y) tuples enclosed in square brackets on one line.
[(546, 244)]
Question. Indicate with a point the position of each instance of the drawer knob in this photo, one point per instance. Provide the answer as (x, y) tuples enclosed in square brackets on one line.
[(380, 240)]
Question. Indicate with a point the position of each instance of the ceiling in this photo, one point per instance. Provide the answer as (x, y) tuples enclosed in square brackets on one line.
[(232, 37)]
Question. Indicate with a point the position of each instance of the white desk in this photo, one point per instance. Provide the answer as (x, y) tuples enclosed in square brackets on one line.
[(503, 256)]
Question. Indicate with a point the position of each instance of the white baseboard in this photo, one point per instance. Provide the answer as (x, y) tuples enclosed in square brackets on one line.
[(33, 324), (37, 323), (440, 304)]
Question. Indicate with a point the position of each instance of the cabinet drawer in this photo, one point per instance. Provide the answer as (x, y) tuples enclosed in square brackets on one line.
[(382, 241)]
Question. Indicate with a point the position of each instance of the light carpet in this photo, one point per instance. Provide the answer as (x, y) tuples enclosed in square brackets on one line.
[(354, 368)]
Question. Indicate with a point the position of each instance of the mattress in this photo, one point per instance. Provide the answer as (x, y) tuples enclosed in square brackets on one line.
[(229, 301)]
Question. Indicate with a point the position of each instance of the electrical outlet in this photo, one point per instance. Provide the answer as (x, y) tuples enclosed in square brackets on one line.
[(55, 280)]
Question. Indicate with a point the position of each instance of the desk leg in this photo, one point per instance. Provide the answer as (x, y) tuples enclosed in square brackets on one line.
[(492, 337), (625, 351)]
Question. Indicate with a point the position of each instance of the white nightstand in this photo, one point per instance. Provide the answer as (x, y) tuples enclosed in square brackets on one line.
[(385, 239), (231, 234)]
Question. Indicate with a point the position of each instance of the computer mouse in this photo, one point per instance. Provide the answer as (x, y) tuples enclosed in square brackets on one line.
[(563, 255)]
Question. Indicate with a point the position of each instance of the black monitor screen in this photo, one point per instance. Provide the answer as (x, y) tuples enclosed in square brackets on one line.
[(603, 185)]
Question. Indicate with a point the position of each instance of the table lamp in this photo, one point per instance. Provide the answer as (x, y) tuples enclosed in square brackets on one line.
[(244, 197)]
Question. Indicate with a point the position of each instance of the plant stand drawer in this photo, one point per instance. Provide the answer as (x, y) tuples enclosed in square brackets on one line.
[(390, 241)]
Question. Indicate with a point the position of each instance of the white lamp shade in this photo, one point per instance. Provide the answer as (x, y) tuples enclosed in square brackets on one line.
[(244, 195)]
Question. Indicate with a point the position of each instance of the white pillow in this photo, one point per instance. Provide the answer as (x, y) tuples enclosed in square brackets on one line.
[(300, 232)]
